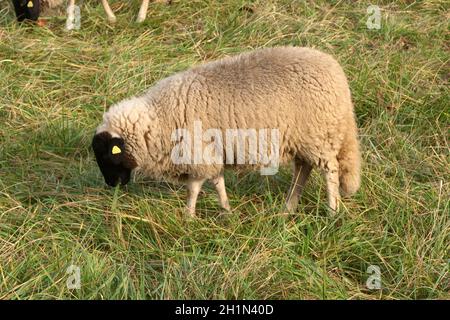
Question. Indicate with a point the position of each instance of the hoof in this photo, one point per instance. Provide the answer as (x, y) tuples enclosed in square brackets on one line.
[(140, 19), (189, 214), (227, 217)]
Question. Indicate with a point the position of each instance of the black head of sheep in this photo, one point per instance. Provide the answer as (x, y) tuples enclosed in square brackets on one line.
[(27, 9), (114, 162)]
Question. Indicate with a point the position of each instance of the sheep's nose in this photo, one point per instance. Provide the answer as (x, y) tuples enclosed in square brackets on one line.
[(112, 182)]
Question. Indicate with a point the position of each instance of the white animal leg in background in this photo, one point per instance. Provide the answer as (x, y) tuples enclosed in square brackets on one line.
[(73, 16), (194, 185), (142, 11), (300, 175), (332, 178), (219, 183), (109, 12)]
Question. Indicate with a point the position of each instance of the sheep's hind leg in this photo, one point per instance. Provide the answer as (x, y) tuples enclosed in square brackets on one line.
[(142, 11), (302, 170), (332, 179), (109, 12), (194, 185), (219, 184)]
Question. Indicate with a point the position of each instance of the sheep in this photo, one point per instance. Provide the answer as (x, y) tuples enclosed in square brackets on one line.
[(31, 9), (301, 92), (27, 9), (141, 15)]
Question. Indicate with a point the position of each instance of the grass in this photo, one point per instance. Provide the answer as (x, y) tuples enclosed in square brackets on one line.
[(132, 243)]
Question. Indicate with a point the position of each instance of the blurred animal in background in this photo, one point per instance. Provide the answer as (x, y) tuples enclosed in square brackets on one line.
[(142, 11), (33, 9), (27, 9)]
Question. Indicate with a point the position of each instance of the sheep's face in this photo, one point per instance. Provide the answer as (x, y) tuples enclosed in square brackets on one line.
[(114, 162), (27, 9)]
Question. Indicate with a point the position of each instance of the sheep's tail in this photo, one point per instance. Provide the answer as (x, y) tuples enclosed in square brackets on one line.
[(349, 159)]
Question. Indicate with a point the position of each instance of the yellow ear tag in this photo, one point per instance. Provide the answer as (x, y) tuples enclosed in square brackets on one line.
[(30, 4), (116, 150)]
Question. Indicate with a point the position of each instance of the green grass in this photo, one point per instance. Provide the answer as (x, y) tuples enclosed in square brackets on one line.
[(132, 242)]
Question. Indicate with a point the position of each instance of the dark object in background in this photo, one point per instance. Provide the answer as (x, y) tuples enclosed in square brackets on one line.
[(27, 9)]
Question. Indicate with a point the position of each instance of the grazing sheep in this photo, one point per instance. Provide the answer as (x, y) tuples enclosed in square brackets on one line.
[(301, 92), (27, 9), (141, 15), (31, 9)]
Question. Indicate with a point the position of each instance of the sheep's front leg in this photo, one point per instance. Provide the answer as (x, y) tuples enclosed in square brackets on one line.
[(142, 11), (194, 185), (332, 179), (300, 175), (219, 184), (109, 12)]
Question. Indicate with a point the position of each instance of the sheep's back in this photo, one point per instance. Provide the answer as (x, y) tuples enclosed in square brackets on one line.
[(299, 91)]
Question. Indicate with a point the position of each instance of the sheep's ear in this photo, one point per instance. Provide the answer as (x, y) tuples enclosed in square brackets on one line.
[(116, 150), (100, 144)]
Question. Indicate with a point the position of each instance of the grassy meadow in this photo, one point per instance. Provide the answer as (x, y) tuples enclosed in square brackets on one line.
[(133, 243)]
